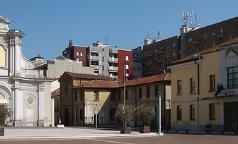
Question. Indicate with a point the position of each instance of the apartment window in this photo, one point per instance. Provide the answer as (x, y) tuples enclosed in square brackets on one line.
[(81, 54), (102, 59), (179, 87), (127, 58), (66, 89), (211, 83), (75, 97), (103, 68), (127, 66), (192, 85), (140, 93), (156, 91), (212, 111), (81, 95), (77, 53), (147, 92), (81, 115), (232, 77), (192, 112), (96, 96), (179, 112)]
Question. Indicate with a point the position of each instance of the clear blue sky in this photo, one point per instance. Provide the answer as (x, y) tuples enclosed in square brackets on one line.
[(50, 24)]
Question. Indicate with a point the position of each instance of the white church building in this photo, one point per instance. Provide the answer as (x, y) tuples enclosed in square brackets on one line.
[(24, 90)]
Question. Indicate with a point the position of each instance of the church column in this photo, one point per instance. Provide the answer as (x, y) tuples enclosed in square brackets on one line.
[(18, 107), (40, 97)]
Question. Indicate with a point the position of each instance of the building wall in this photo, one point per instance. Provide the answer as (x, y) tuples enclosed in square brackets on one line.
[(152, 100), (209, 64), (56, 68), (102, 106), (122, 54)]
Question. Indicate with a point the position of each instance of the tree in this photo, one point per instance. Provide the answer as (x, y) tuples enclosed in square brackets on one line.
[(145, 114), (3, 113), (126, 114)]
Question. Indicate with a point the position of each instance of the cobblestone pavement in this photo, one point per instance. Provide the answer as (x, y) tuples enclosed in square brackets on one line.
[(166, 139)]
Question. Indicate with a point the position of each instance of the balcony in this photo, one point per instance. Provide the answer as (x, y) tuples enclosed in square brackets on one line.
[(113, 60), (113, 68), (94, 57), (94, 66)]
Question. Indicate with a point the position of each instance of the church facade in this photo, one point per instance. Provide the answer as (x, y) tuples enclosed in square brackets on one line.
[(24, 90)]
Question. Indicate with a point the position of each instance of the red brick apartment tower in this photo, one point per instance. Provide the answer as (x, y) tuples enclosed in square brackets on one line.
[(124, 57), (77, 53)]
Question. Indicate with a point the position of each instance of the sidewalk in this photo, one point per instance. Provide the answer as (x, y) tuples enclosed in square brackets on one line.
[(64, 133)]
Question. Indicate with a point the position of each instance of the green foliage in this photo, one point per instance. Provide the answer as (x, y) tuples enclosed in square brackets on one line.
[(145, 114), (3, 113), (125, 115)]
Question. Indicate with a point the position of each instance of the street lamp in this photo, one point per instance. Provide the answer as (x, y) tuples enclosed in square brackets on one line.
[(96, 110), (159, 115)]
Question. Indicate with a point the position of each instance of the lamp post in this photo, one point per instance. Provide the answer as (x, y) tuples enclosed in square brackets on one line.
[(124, 86), (159, 115), (124, 91), (96, 110)]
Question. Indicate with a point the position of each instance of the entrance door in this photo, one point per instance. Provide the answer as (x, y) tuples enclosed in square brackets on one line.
[(66, 116), (231, 116)]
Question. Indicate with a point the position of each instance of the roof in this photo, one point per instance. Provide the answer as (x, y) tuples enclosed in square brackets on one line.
[(146, 80), (85, 76), (105, 84), (194, 56), (55, 93), (111, 84)]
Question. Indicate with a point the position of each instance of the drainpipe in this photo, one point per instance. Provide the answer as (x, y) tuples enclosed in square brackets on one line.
[(198, 89)]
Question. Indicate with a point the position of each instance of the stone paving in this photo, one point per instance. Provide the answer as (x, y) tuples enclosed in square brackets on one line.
[(67, 132)]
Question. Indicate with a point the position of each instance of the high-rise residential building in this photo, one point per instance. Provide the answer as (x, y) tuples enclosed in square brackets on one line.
[(99, 57), (102, 58)]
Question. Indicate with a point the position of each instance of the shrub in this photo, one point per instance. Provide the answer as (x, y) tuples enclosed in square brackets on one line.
[(125, 115), (3, 113), (145, 114)]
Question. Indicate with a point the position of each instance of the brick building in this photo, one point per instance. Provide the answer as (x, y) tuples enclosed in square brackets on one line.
[(124, 61), (77, 53), (154, 55)]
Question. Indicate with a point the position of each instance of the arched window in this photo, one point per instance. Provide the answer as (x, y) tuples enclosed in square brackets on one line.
[(2, 57)]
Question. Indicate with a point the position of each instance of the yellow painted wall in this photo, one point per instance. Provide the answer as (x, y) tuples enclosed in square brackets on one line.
[(2, 57), (209, 65)]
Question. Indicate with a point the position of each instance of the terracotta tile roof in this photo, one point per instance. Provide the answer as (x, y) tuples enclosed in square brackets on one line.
[(104, 84), (86, 76), (146, 80), (109, 84), (55, 93), (205, 51)]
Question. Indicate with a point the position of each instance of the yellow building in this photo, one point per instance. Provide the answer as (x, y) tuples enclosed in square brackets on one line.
[(205, 90)]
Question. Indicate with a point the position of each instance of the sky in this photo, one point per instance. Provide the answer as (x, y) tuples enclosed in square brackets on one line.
[(50, 24)]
